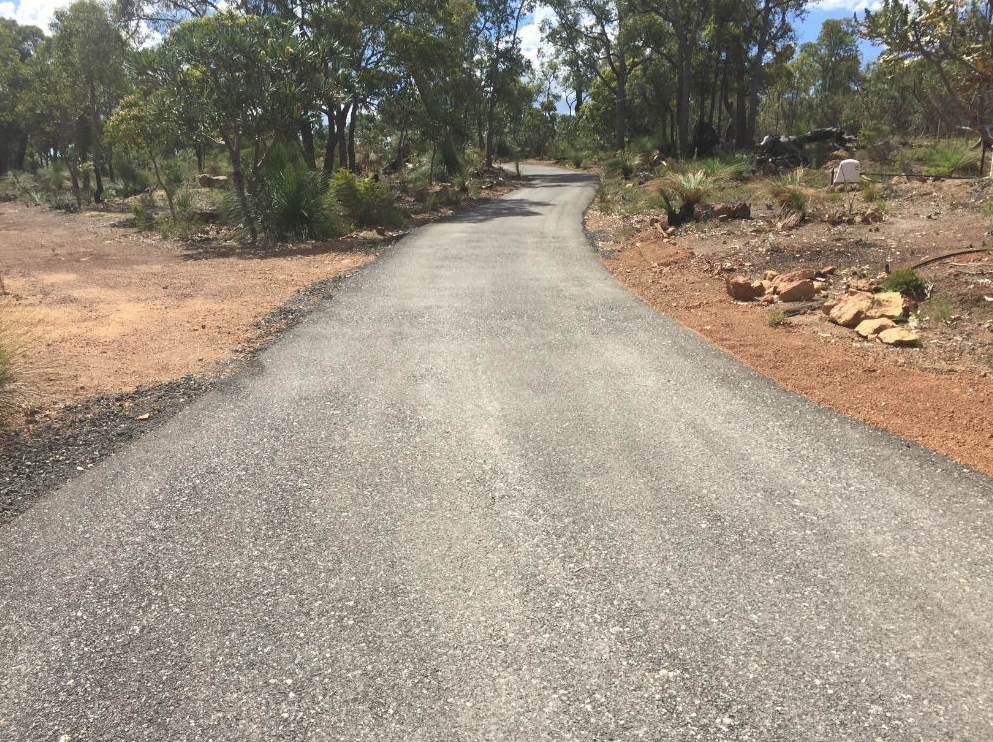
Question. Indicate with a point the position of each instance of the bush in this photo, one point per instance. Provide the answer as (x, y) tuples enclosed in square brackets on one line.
[(777, 318), (939, 308), (624, 163), (947, 159), (130, 180), (144, 212), (290, 205), (907, 281), (366, 203), (793, 197)]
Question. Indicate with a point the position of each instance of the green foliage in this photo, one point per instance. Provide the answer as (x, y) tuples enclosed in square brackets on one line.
[(625, 163), (939, 308), (290, 205), (791, 194), (143, 211), (946, 159), (907, 281), (871, 192), (777, 318), (691, 188), (365, 203)]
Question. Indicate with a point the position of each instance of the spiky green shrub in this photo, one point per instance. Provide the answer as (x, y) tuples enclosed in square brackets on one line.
[(907, 281), (947, 159), (725, 168), (625, 163), (366, 203), (790, 193), (290, 205)]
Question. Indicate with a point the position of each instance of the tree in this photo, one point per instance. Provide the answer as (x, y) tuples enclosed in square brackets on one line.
[(837, 68), (89, 55), (955, 40), (151, 127), (603, 38), (237, 72)]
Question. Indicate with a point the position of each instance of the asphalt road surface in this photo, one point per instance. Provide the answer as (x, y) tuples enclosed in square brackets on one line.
[(486, 494)]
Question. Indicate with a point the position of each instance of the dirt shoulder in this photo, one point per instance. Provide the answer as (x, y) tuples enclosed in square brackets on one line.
[(939, 394)]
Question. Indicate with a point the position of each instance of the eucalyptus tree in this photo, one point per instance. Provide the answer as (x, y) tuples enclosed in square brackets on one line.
[(18, 45), (88, 56), (433, 44), (604, 39), (500, 20)]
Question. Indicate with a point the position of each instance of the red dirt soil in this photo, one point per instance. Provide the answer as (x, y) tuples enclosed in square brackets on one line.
[(108, 309), (951, 413)]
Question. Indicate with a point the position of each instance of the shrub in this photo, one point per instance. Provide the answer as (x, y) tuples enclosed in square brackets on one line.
[(367, 203), (939, 308), (290, 205), (907, 281), (793, 197), (624, 163), (945, 160), (144, 212), (777, 318), (871, 193), (130, 180)]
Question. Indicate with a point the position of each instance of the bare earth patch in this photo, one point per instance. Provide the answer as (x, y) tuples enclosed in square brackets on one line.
[(939, 395), (110, 309)]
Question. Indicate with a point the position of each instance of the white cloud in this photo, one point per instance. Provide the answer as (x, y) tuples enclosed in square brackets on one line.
[(530, 35), (849, 6), (32, 12)]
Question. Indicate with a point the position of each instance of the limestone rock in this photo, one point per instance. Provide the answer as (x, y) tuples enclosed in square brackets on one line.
[(869, 328), (851, 309), (206, 180), (899, 336), (890, 304)]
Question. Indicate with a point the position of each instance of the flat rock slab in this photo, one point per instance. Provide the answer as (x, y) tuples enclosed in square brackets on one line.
[(488, 495)]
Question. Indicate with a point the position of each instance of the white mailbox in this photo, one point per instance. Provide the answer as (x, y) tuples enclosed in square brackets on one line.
[(848, 171)]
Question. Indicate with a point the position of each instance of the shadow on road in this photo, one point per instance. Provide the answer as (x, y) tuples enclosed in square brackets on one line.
[(498, 209)]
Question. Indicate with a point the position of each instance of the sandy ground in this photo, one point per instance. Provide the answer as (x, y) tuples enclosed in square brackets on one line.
[(108, 309), (939, 395)]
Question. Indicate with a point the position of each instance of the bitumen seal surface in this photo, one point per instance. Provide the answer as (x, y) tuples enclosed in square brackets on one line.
[(486, 494)]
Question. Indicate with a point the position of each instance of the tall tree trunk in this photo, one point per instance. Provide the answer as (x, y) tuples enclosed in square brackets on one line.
[(351, 138), (97, 153), (22, 152), (491, 105), (307, 141), (234, 151), (341, 124), (621, 113), (331, 144), (684, 72)]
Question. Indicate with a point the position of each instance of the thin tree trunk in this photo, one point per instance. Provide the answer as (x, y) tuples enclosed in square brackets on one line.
[(330, 145), (307, 141), (234, 151), (97, 154), (351, 138), (341, 124)]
